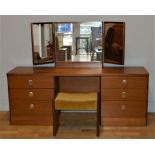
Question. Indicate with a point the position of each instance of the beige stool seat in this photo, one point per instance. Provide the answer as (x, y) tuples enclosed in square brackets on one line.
[(75, 101)]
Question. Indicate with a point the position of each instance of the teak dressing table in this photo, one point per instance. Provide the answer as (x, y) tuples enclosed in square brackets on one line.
[(123, 93)]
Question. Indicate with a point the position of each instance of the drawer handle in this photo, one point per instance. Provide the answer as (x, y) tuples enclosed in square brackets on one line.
[(123, 107), (30, 82), (124, 94), (30, 94), (31, 106), (124, 82)]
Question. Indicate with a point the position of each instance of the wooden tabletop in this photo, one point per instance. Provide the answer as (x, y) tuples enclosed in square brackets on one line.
[(124, 71), (57, 71), (112, 71)]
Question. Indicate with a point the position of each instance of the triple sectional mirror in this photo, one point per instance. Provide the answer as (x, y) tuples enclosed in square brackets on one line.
[(78, 42)]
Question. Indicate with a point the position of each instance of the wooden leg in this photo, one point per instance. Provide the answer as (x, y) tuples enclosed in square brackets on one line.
[(98, 120), (99, 113), (56, 114), (56, 123), (97, 124), (99, 108)]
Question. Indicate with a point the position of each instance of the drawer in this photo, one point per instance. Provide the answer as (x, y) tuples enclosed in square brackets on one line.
[(124, 94), (124, 82), (124, 109), (31, 94), (31, 81), (31, 113)]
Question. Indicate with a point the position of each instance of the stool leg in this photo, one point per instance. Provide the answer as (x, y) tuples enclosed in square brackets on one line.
[(55, 122), (98, 120), (56, 114), (100, 113), (99, 108), (97, 124)]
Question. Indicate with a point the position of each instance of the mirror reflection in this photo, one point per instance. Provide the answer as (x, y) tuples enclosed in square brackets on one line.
[(42, 43), (78, 41), (114, 42)]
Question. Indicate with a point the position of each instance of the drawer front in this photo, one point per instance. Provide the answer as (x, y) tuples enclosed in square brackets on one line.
[(31, 81), (124, 82), (124, 94), (31, 113), (31, 94), (124, 109)]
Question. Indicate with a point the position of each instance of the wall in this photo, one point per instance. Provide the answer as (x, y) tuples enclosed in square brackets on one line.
[(16, 40), (0, 60), (153, 71)]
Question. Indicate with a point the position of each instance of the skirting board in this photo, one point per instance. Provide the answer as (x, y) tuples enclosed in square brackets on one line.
[(151, 107)]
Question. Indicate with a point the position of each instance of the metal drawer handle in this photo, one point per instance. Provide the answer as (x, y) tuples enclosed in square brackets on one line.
[(30, 82), (30, 94), (124, 82), (31, 106), (123, 107), (124, 94)]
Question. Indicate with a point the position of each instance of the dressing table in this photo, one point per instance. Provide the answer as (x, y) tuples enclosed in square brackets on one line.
[(123, 91)]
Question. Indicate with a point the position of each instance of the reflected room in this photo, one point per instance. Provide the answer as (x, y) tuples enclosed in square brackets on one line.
[(114, 42), (78, 41), (42, 43)]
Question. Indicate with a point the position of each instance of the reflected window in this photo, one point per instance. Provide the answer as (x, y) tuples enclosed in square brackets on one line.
[(66, 31), (65, 28), (85, 30), (67, 40)]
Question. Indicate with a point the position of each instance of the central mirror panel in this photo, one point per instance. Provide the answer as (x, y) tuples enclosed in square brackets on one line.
[(78, 41)]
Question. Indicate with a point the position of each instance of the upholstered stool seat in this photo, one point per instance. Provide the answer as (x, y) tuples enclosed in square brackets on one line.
[(75, 101)]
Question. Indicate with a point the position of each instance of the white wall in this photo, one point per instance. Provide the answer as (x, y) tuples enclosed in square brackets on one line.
[(16, 41), (153, 71), (1, 83)]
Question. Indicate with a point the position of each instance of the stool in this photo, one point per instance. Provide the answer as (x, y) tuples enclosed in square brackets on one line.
[(75, 101)]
